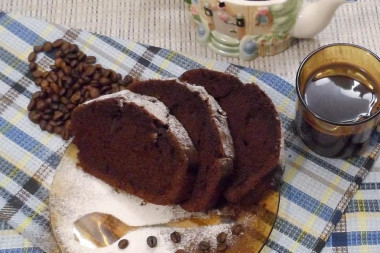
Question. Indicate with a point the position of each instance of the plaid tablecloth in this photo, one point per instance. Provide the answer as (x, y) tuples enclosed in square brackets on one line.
[(315, 190)]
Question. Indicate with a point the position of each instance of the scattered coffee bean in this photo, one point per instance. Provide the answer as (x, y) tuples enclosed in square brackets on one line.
[(57, 43), (32, 66), (37, 49), (37, 74), (90, 59), (175, 237), (151, 241), (237, 229), (221, 247), (32, 57), (123, 244), (204, 245), (221, 237), (47, 46)]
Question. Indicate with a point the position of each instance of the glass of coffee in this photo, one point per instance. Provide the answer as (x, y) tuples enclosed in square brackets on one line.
[(338, 99)]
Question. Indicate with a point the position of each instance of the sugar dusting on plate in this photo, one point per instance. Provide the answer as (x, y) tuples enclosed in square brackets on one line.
[(75, 193)]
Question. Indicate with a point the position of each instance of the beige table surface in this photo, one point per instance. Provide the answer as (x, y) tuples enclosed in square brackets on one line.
[(166, 23)]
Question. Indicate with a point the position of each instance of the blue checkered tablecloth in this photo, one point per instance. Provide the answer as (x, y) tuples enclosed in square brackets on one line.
[(315, 190)]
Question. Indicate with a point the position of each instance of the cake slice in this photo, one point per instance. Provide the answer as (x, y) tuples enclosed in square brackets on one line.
[(255, 129), (131, 142), (207, 127)]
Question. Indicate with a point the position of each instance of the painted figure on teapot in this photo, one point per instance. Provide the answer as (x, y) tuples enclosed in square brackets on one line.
[(252, 28)]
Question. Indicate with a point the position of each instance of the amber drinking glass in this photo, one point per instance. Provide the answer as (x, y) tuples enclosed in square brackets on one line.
[(338, 99)]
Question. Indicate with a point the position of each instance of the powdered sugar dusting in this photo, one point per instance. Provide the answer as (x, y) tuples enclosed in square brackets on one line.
[(75, 193)]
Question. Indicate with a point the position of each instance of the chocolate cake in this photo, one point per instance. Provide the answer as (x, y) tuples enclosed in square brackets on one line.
[(206, 125), (255, 130), (131, 142)]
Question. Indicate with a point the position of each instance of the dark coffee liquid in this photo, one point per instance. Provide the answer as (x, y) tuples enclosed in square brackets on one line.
[(338, 98)]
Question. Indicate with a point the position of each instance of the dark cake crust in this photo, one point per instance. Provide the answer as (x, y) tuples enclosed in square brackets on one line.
[(132, 143), (206, 125), (254, 126)]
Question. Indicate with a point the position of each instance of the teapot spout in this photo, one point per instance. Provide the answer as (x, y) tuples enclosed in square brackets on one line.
[(315, 16)]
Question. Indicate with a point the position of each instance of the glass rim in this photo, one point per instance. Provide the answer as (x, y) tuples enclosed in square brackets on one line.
[(300, 97)]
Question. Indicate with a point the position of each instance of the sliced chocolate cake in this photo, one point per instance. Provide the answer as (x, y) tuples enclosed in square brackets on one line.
[(131, 142), (255, 129), (206, 125)]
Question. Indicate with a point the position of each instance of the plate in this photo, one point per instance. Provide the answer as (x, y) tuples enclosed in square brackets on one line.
[(75, 193)]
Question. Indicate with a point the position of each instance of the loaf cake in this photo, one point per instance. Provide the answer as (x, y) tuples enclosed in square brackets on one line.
[(255, 130), (206, 124), (131, 142)]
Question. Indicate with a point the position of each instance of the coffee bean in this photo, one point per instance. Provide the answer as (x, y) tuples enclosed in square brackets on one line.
[(66, 116), (104, 81), (58, 130), (221, 237), (221, 247), (64, 100), (57, 115), (90, 59), (70, 107), (94, 92), (48, 101), (69, 92), (75, 97), (32, 57), (37, 74), (47, 46), (50, 128), (32, 66), (204, 245), (73, 63), (67, 70), (126, 80), (34, 116), (65, 133), (76, 86), (45, 74), (43, 125), (58, 62), (237, 229), (113, 76), (89, 70), (57, 43), (97, 76), (31, 105), (55, 105), (41, 105), (71, 56), (105, 72), (175, 237), (123, 244), (55, 88), (37, 49), (81, 56), (65, 46), (74, 48), (151, 241), (115, 87), (58, 54)]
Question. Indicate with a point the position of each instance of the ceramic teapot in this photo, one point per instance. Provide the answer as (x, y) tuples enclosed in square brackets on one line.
[(248, 29)]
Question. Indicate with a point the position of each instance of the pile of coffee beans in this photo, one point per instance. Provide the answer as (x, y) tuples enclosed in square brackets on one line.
[(74, 78)]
